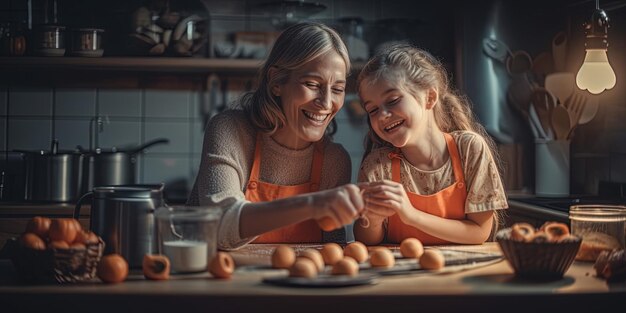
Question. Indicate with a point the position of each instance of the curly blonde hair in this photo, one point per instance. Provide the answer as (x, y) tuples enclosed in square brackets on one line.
[(296, 46)]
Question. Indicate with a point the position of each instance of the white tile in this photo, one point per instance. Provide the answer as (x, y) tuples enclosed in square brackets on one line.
[(31, 134), (71, 133), (122, 103), (30, 101), (197, 137), (176, 132), (120, 133), (75, 102), (173, 171), (167, 103)]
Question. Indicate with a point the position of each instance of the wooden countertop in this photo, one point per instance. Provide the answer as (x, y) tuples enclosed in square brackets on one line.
[(488, 288)]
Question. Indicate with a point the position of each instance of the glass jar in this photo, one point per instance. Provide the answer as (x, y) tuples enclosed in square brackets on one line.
[(187, 235), (601, 227), (87, 42), (49, 40)]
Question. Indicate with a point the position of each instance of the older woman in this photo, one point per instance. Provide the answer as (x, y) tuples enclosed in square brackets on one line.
[(271, 165)]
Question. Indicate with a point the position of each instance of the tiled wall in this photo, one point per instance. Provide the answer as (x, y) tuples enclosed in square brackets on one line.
[(31, 118)]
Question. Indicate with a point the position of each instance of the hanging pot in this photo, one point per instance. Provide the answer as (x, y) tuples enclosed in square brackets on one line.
[(52, 176), (112, 167)]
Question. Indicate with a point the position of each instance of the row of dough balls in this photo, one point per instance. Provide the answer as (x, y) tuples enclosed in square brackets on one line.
[(309, 262)]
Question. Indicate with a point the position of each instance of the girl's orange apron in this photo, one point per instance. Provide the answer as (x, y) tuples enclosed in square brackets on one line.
[(447, 203), (258, 191)]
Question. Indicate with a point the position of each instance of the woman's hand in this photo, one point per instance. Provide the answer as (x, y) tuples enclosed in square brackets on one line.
[(341, 204), (386, 198)]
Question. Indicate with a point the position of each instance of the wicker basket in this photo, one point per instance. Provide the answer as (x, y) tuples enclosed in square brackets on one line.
[(55, 265), (538, 260)]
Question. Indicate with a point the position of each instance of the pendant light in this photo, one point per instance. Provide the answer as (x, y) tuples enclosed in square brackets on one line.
[(596, 74)]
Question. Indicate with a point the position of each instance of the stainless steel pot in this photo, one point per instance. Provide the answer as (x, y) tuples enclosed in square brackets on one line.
[(52, 176), (124, 217), (112, 167)]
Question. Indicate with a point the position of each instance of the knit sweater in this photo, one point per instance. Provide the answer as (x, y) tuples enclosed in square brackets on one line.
[(227, 157)]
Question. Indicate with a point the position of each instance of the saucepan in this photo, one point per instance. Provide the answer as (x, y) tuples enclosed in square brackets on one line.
[(109, 167)]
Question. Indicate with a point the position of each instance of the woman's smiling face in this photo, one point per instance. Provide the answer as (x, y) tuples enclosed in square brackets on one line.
[(310, 98), (396, 116)]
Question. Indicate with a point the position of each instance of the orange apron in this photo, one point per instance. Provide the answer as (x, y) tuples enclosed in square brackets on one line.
[(258, 191), (447, 203)]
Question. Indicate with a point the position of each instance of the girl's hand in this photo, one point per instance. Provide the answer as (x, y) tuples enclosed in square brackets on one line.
[(385, 198), (341, 204)]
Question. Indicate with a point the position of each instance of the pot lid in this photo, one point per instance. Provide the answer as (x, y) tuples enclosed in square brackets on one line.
[(129, 191)]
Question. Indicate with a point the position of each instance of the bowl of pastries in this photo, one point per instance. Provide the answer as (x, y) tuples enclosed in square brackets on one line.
[(544, 253)]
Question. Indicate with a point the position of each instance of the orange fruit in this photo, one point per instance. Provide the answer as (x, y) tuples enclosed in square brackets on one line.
[(112, 268)]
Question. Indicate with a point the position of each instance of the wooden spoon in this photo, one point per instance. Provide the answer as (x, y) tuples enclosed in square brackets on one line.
[(560, 122)]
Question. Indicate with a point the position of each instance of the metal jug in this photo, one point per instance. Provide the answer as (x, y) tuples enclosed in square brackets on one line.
[(124, 217)]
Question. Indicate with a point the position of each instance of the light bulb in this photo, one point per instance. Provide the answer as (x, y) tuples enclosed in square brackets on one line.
[(596, 73)]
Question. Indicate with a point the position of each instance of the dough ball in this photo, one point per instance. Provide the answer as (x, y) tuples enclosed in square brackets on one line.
[(432, 259), (283, 257), (331, 253), (357, 251), (411, 248)]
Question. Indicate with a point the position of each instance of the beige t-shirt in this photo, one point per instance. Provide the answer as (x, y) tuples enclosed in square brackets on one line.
[(484, 186), (227, 155)]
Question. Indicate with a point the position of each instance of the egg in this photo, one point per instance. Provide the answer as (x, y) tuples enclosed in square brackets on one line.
[(411, 248), (346, 266), (357, 251), (432, 259), (331, 253), (382, 257), (222, 265), (112, 269), (315, 256), (283, 257), (303, 267)]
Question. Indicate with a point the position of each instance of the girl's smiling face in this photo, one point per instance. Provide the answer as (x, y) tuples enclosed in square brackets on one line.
[(310, 98), (395, 115)]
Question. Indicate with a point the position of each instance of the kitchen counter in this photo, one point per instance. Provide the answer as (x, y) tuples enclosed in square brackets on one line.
[(487, 288)]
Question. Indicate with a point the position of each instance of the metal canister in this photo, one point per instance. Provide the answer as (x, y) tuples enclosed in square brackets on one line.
[(124, 217)]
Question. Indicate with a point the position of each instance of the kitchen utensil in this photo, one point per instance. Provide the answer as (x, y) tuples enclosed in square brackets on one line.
[(188, 236), (543, 65), (520, 92), (574, 106), (496, 49), (124, 217), (543, 102), (520, 62), (535, 124), (108, 167), (561, 85), (52, 176), (560, 122), (590, 110), (559, 51)]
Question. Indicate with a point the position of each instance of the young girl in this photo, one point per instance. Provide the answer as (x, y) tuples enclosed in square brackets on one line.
[(430, 165), (271, 166)]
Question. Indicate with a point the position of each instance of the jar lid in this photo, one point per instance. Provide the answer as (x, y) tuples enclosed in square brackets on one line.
[(129, 191), (598, 212)]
